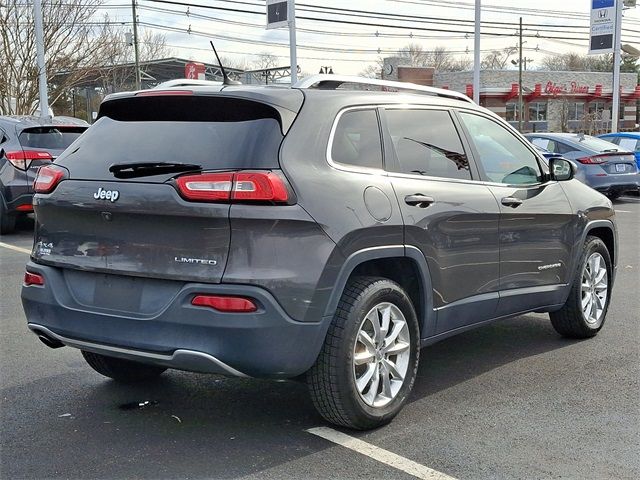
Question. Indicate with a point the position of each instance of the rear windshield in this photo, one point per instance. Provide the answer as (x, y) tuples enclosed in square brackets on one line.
[(598, 144), (50, 138), (214, 132)]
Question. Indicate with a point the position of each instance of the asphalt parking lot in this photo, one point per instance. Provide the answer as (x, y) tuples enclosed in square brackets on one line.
[(509, 400)]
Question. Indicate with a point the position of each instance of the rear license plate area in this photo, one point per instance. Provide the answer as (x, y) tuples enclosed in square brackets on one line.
[(621, 167), (117, 293)]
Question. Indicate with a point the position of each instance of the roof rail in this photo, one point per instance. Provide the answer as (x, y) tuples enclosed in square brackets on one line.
[(185, 82), (333, 82)]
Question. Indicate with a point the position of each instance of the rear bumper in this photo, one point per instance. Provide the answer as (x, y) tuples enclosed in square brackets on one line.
[(265, 343), (615, 183)]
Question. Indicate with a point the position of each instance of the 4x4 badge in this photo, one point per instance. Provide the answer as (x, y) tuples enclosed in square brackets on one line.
[(102, 194)]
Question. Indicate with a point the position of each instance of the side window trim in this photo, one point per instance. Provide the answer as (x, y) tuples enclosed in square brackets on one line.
[(476, 155), (352, 168), (392, 164)]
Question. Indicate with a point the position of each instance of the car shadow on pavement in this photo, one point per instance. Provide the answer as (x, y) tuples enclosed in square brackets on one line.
[(192, 426)]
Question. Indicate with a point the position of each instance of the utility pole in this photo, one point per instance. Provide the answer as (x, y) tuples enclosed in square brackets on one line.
[(292, 42), (617, 41), (135, 43), (520, 106), (42, 71), (476, 56)]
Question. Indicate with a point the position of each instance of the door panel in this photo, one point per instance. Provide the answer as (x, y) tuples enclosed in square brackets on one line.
[(452, 219), (535, 217)]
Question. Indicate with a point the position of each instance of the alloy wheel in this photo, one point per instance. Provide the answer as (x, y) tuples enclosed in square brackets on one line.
[(381, 354)]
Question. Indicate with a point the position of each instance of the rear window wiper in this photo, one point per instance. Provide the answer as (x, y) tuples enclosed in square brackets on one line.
[(608, 150), (147, 169)]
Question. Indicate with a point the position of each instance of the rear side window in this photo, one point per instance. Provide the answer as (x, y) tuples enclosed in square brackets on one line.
[(50, 138), (213, 132), (356, 140), (427, 143)]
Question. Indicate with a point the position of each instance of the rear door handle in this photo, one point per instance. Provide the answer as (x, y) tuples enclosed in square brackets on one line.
[(512, 202), (418, 200)]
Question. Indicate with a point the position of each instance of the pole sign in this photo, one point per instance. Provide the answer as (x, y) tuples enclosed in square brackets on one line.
[(277, 13), (603, 25)]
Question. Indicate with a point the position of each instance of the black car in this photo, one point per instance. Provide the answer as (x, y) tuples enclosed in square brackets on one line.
[(321, 231), (25, 145)]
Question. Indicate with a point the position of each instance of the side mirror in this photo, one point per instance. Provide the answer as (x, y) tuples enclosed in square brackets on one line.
[(561, 169)]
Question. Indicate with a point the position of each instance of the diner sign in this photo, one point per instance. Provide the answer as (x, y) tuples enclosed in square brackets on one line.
[(564, 88)]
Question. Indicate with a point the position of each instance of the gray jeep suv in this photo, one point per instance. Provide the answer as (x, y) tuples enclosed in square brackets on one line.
[(322, 230)]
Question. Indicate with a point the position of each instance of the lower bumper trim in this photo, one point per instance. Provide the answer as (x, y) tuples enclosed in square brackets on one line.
[(180, 359)]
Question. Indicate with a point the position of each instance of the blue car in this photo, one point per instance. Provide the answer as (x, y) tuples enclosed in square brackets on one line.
[(627, 141), (602, 165)]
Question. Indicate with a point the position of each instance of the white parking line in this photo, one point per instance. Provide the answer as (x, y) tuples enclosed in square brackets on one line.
[(379, 454), (624, 211), (13, 247)]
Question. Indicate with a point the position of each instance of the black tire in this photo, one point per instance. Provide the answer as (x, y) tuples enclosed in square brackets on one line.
[(613, 196), (570, 320), (7, 221), (121, 370), (331, 380)]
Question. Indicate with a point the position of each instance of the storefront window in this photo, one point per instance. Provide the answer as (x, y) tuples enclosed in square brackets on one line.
[(576, 111), (596, 107), (538, 112), (512, 112)]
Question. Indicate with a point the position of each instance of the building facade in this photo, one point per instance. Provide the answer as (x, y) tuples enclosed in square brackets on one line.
[(552, 101)]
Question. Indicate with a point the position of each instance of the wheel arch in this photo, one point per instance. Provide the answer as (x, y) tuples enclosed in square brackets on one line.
[(404, 265)]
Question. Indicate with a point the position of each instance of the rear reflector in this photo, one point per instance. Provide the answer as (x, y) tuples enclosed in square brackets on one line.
[(22, 158), (246, 186), (225, 304), (33, 279), (48, 177), (27, 207)]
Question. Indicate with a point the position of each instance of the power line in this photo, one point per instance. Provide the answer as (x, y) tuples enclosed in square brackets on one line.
[(368, 24)]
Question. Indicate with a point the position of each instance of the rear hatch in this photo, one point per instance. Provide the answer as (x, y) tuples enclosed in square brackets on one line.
[(120, 209)]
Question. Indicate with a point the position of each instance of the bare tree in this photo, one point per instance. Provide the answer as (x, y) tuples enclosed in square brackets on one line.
[(72, 39), (414, 55), (497, 59), (576, 62), (116, 68), (265, 60)]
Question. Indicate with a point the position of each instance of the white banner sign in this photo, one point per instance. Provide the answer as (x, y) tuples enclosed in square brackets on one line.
[(603, 26)]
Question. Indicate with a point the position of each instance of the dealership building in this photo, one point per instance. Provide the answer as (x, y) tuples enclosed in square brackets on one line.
[(552, 101)]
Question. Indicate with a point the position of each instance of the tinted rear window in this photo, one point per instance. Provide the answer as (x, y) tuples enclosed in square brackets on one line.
[(50, 138), (597, 144), (214, 132)]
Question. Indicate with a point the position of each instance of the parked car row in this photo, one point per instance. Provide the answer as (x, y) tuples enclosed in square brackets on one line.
[(610, 168), (25, 145)]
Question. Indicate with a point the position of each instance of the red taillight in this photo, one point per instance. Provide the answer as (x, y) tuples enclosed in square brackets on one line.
[(48, 177), (240, 186), (21, 158), (225, 304), (207, 186), (27, 207), (33, 279), (259, 186), (592, 160)]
